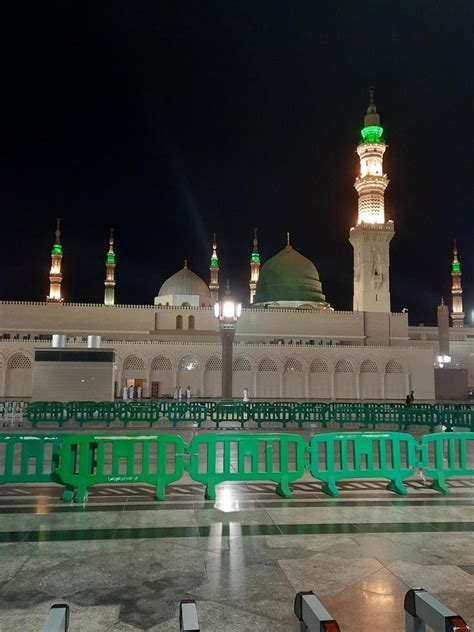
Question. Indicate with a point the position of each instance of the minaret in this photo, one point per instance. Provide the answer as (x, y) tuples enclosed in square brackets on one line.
[(254, 267), (55, 275), (109, 296), (371, 236), (214, 270), (457, 315)]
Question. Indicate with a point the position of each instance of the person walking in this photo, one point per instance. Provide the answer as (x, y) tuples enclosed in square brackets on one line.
[(412, 397), (175, 394), (245, 397), (408, 400), (180, 393), (125, 393), (139, 392), (188, 393)]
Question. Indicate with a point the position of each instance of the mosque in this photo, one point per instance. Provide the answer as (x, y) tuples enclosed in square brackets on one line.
[(289, 343)]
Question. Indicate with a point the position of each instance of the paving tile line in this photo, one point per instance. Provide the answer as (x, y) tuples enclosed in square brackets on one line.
[(233, 529)]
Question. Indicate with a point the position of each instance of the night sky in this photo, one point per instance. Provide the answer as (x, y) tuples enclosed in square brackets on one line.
[(172, 120)]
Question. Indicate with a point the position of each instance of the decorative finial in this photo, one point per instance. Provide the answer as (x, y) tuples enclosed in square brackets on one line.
[(185, 263), (288, 239), (111, 240), (214, 241), (442, 300), (58, 229), (455, 249), (255, 240), (371, 107), (227, 288)]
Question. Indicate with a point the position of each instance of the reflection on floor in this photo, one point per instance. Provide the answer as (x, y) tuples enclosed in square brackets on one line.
[(124, 561)]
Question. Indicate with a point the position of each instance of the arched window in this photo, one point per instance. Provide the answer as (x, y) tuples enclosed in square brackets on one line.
[(292, 365), (267, 364), (161, 363), (242, 364), (179, 322), (344, 366), (191, 322), (393, 367), (214, 364), (133, 362), (19, 361), (188, 363), (369, 366), (318, 366)]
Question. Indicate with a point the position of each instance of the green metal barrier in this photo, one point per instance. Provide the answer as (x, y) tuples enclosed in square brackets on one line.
[(445, 455), (263, 413), (236, 458), (354, 414), (28, 458), (86, 460), (229, 411), (192, 412), (390, 455), (48, 412), (141, 411), (95, 412), (312, 413)]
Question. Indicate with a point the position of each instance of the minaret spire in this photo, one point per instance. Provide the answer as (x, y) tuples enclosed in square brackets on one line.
[(457, 314), (372, 234), (254, 267), (214, 272), (110, 263), (55, 274)]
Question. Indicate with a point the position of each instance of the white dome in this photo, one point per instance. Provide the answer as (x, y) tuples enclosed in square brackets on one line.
[(184, 286)]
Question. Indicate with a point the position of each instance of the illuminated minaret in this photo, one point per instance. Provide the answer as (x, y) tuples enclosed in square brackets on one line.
[(109, 296), (254, 267), (214, 270), (371, 236), (457, 315), (55, 275)]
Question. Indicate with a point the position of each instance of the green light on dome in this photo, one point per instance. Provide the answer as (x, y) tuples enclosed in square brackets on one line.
[(110, 257), (456, 266), (57, 249), (372, 134), (255, 258)]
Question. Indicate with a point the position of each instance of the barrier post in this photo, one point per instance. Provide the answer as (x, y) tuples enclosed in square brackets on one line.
[(58, 618), (311, 615), (188, 617), (422, 609)]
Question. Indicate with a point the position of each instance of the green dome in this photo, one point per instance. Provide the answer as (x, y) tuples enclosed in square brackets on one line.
[(289, 276)]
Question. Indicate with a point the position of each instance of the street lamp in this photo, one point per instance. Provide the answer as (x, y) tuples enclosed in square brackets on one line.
[(227, 312)]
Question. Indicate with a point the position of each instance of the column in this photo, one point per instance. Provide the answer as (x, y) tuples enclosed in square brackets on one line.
[(227, 339)]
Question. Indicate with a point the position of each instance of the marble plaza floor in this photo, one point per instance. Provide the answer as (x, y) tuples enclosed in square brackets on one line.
[(124, 561)]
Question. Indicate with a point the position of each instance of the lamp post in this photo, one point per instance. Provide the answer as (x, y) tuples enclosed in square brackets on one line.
[(227, 312)]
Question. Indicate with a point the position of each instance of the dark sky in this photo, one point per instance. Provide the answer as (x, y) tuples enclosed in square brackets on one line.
[(172, 120)]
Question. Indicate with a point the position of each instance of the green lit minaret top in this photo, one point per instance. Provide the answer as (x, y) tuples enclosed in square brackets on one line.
[(214, 259), (372, 130), (255, 257), (456, 264), (111, 254), (57, 248)]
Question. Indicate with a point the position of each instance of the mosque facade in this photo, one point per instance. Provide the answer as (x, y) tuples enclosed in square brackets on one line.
[(289, 344)]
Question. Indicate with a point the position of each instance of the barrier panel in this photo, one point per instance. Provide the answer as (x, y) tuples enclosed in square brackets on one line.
[(390, 455), (353, 414), (48, 412), (192, 412), (95, 412), (229, 411), (422, 609), (445, 455), (28, 458), (144, 411), (243, 457), (86, 460), (311, 413), (265, 412)]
